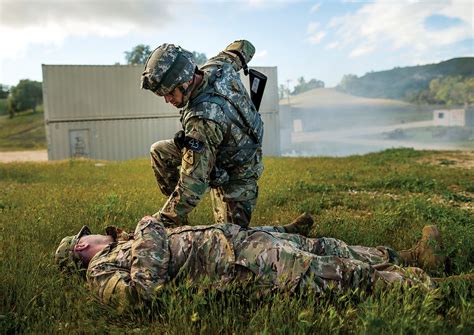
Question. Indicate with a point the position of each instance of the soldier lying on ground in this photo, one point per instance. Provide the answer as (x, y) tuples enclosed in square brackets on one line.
[(128, 268)]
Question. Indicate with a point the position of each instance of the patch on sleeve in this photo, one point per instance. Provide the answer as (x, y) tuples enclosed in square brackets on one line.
[(193, 144), (188, 158)]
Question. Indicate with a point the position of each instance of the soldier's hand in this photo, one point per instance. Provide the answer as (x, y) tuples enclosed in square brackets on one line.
[(179, 139)]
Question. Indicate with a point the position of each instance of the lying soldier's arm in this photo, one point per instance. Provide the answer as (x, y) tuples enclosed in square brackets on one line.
[(118, 285)]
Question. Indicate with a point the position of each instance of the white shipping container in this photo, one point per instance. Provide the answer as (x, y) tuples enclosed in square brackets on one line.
[(100, 112)]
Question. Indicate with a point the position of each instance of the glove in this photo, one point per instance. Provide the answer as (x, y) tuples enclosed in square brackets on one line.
[(179, 139)]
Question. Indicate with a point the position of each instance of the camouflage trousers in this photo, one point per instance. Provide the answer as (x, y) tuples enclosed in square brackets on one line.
[(336, 265), (233, 202)]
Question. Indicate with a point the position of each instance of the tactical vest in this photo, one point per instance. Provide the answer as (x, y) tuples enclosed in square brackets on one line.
[(241, 122)]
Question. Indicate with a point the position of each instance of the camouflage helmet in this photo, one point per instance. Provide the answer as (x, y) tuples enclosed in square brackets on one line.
[(167, 67), (65, 256)]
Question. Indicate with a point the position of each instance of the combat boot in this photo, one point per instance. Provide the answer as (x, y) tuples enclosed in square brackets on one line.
[(452, 279), (301, 225), (427, 253)]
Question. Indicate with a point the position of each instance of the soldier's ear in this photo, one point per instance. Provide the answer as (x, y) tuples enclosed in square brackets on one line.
[(81, 246)]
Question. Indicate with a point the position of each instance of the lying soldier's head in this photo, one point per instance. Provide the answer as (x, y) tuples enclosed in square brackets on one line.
[(76, 251)]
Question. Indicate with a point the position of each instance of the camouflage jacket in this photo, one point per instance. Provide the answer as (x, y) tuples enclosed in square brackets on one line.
[(134, 267)]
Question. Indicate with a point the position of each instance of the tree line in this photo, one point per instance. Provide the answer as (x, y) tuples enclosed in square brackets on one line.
[(301, 86), (28, 94), (448, 82), (450, 91)]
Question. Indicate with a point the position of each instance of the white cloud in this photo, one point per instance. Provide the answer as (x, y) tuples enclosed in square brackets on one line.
[(332, 45), (50, 22), (261, 4), (394, 25), (360, 51), (317, 37), (261, 54), (312, 26), (315, 8)]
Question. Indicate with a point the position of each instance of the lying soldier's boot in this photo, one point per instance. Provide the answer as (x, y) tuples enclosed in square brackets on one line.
[(301, 225), (456, 278), (427, 253)]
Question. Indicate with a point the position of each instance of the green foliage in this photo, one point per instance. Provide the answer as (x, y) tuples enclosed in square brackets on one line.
[(348, 83), (304, 86), (199, 57), (405, 83), (25, 131), (378, 199), (453, 90), (28, 94), (4, 90), (3, 106), (138, 55)]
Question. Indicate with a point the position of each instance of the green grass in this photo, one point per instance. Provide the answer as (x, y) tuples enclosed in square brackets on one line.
[(26, 131), (376, 199)]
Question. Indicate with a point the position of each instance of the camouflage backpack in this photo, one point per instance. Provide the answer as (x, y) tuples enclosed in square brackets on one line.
[(226, 89)]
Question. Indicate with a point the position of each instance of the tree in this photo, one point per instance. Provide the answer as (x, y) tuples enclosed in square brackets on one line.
[(199, 57), (3, 91), (348, 82), (304, 86), (27, 94), (453, 90), (138, 55), (11, 108)]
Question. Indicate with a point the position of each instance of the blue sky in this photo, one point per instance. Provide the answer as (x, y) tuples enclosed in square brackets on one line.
[(314, 39)]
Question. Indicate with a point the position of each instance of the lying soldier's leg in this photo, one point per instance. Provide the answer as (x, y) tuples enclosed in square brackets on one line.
[(326, 246), (165, 159), (330, 272)]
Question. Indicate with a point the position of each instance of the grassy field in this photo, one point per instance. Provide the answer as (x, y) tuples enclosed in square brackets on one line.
[(25, 131), (377, 199)]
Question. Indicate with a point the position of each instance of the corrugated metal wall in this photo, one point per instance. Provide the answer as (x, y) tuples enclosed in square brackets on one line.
[(100, 112)]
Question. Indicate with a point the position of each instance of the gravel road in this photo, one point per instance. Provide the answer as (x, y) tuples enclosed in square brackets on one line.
[(24, 156)]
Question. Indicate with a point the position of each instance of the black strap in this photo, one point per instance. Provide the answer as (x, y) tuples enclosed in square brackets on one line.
[(242, 60)]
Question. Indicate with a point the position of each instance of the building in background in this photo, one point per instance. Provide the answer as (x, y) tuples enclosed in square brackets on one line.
[(100, 112), (454, 117)]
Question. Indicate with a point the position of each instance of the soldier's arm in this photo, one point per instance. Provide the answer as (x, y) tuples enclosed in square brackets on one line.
[(123, 287), (235, 53), (199, 157)]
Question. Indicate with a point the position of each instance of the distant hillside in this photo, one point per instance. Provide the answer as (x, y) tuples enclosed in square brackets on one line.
[(401, 83), (25, 131), (332, 98)]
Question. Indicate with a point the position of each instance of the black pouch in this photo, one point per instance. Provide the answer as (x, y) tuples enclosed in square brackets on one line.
[(257, 87)]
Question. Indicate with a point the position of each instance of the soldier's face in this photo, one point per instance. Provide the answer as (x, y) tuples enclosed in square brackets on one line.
[(175, 97)]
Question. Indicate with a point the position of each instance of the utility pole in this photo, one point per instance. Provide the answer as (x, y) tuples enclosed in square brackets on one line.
[(288, 90)]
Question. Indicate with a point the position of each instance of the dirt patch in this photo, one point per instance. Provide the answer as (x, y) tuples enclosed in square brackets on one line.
[(457, 159), (24, 156)]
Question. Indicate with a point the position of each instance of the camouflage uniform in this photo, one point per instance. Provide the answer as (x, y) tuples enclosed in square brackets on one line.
[(134, 267), (217, 152)]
